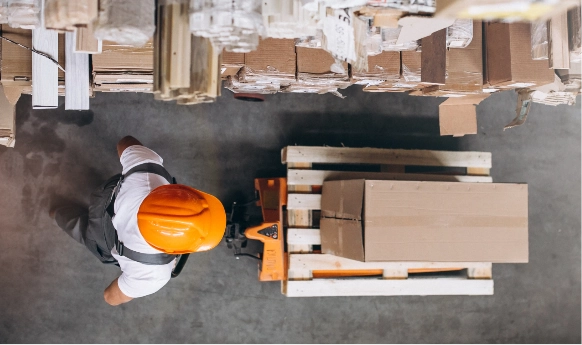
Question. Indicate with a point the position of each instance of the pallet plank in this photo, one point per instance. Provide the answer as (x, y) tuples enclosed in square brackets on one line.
[(303, 236), (301, 265), (303, 202), (478, 171), (317, 177), (345, 155), (387, 287)]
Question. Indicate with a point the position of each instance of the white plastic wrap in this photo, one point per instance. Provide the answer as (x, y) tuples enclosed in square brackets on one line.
[(539, 40), (234, 25), (575, 34), (23, 14), (460, 34), (410, 6), (130, 22)]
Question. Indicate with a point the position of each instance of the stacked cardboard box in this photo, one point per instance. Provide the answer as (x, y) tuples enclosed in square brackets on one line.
[(269, 69), (319, 72), (123, 68), (17, 61), (368, 220)]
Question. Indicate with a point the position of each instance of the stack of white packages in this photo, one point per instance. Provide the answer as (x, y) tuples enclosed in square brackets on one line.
[(234, 25), (288, 19), (23, 14)]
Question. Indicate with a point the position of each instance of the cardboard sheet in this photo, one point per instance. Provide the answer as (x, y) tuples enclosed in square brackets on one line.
[(426, 221), (415, 28)]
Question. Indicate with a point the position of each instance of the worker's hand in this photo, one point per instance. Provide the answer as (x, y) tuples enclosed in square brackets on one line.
[(126, 142), (113, 295)]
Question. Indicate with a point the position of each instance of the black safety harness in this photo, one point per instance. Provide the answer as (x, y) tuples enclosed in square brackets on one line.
[(148, 259)]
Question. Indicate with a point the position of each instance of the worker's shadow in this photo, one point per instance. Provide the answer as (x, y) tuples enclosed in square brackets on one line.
[(379, 120)]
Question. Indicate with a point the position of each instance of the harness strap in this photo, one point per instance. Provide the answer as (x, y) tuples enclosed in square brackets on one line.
[(148, 259)]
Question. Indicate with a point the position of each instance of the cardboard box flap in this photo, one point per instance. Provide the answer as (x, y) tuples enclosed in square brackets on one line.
[(342, 237), (458, 115), (342, 199), (415, 28)]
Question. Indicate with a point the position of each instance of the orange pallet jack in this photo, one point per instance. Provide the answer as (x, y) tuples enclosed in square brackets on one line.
[(272, 197)]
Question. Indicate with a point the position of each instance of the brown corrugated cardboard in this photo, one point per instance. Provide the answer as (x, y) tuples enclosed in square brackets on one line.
[(465, 66), (120, 57), (273, 55), (343, 237), (230, 58), (458, 115), (315, 61), (508, 57), (383, 68), (388, 63), (16, 61), (426, 221)]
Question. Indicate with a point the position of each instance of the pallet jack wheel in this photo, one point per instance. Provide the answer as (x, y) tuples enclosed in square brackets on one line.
[(249, 97)]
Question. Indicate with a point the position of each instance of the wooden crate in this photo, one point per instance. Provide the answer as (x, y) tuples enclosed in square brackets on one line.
[(304, 180)]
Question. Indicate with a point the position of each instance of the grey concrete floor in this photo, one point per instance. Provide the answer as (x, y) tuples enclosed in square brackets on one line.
[(51, 288)]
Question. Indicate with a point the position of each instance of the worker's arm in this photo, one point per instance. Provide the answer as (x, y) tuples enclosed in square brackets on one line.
[(126, 142), (114, 296)]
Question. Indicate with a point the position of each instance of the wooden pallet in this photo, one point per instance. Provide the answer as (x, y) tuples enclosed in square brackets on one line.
[(311, 274)]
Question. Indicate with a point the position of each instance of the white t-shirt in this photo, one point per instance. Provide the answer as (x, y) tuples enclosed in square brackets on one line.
[(137, 279)]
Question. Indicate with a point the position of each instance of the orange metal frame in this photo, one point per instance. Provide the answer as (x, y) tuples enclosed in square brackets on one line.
[(273, 196)]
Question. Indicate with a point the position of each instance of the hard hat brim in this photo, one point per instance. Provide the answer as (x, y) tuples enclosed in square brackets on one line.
[(218, 223)]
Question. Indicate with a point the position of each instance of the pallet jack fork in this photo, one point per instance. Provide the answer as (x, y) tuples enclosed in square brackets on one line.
[(272, 197)]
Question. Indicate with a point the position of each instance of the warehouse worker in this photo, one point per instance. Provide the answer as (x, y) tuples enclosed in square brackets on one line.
[(142, 221)]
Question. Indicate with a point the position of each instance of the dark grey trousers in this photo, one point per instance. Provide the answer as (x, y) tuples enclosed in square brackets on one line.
[(73, 219)]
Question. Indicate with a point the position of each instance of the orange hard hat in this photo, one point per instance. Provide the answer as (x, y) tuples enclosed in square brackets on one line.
[(177, 219)]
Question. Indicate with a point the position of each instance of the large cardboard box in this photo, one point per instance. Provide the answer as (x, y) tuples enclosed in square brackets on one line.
[(369, 220), (508, 57), (465, 66)]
